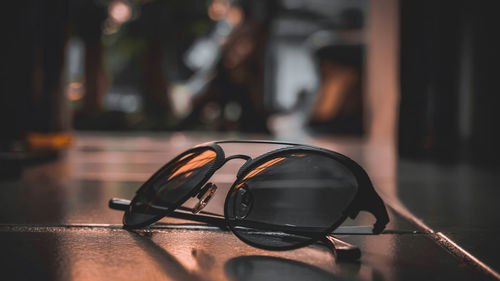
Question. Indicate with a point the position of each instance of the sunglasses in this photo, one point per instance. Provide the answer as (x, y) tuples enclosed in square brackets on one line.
[(285, 199)]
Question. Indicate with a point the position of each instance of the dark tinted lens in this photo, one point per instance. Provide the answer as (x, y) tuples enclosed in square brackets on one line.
[(170, 186), (290, 198)]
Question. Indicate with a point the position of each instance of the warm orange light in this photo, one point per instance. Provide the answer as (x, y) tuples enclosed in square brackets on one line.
[(75, 91), (234, 16), (49, 140), (119, 12), (198, 161), (218, 9)]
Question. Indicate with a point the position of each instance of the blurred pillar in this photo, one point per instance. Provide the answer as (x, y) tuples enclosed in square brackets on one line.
[(95, 78), (155, 84), (484, 139), (429, 79), (88, 18), (32, 101), (449, 104), (18, 60), (381, 100), (49, 103), (382, 70)]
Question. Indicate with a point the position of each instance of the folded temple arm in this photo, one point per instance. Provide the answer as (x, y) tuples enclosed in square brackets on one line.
[(219, 221)]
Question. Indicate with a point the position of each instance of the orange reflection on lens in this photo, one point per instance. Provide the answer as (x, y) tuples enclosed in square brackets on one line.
[(196, 162), (263, 167)]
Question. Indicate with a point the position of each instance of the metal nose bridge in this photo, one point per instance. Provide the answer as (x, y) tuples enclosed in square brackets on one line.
[(207, 192), (238, 156)]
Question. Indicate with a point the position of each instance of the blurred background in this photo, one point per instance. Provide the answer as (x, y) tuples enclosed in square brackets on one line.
[(112, 89), (418, 75)]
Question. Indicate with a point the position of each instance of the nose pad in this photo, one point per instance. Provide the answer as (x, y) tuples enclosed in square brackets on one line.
[(207, 192), (244, 202)]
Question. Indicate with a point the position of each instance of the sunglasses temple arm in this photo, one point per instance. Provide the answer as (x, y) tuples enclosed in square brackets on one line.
[(118, 204), (368, 200), (212, 218), (376, 207), (342, 250), (219, 221), (215, 221), (123, 204)]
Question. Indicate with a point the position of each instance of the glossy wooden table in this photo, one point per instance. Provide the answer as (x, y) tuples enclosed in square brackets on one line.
[(56, 225)]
